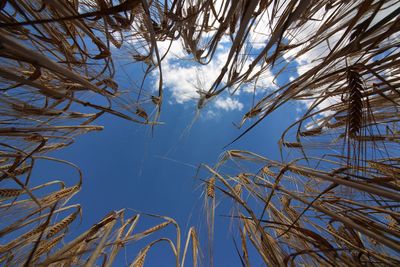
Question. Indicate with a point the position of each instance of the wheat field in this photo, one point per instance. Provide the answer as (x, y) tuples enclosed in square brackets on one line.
[(332, 199)]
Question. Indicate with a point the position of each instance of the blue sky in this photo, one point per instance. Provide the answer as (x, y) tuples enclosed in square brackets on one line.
[(126, 166)]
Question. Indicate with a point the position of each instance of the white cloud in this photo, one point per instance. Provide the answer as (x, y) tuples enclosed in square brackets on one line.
[(228, 104), (187, 79)]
